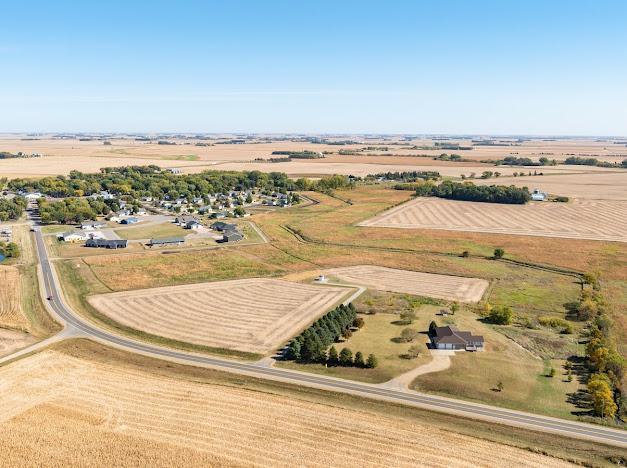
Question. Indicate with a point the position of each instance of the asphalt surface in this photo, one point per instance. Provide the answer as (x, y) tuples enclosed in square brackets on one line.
[(460, 408)]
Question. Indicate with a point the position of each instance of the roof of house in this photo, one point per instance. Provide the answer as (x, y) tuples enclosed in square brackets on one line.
[(451, 335), (167, 240), (233, 235), (117, 243), (221, 226), (73, 233)]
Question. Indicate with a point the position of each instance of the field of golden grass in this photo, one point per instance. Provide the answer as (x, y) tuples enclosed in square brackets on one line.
[(10, 299), (250, 315), (590, 219), (454, 288), (62, 156), (58, 409)]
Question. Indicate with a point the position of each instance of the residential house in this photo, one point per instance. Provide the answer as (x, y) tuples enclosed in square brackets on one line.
[(90, 226), (73, 236), (221, 226), (193, 225), (232, 236), (182, 220), (449, 337)]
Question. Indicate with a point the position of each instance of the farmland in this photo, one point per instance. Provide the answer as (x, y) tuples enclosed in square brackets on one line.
[(594, 220), (454, 288), (91, 394), (251, 315)]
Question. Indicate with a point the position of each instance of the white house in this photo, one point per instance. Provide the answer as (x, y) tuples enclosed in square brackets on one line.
[(537, 195), (73, 236)]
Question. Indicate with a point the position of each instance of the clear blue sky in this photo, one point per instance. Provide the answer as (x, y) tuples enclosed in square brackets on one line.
[(517, 67)]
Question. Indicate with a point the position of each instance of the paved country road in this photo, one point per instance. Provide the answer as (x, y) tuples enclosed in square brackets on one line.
[(75, 325)]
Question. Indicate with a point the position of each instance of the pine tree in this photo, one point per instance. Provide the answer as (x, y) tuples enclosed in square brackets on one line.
[(372, 361), (333, 357), (346, 357), (294, 351), (359, 359)]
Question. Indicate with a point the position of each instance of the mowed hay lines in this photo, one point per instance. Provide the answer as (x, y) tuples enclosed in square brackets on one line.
[(250, 315), (581, 219), (448, 287), (126, 407), (11, 315)]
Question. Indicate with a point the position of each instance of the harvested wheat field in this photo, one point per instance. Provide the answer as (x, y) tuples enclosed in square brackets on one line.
[(456, 288), (10, 299), (580, 219), (251, 315), (57, 409)]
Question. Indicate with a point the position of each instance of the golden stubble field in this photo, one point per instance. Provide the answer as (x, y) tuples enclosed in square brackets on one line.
[(57, 409), (250, 315), (62, 156), (454, 288), (581, 219)]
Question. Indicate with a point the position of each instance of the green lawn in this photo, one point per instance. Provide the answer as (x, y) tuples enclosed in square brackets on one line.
[(378, 336), (152, 231), (474, 376)]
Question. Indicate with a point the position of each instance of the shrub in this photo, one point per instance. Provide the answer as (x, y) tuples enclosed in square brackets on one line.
[(359, 322), (408, 335), (413, 352), (499, 253), (500, 315), (408, 316)]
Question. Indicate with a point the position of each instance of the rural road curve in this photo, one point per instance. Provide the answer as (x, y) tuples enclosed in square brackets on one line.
[(75, 325)]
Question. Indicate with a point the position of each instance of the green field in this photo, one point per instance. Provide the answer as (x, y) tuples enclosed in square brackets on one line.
[(151, 231)]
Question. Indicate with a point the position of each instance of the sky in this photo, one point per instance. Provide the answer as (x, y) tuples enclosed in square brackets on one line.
[(455, 67)]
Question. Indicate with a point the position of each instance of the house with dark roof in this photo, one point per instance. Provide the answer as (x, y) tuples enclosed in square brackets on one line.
[(221, 226), (232, 236), (449, 337), (107, 243)]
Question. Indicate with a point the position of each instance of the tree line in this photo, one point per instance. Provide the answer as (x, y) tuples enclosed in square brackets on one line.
[(579, 161), (139, 181), (75, 210), (468, 191), (311, 345), (607, 367), (406, 176)]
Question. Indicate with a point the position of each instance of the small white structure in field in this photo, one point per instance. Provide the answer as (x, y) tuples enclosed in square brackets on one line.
[(537, 195), (321, 279)]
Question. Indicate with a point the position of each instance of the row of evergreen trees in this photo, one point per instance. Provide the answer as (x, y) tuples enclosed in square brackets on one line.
[(311, 344)]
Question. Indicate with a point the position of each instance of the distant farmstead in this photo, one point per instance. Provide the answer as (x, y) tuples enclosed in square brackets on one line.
[(449, 337)]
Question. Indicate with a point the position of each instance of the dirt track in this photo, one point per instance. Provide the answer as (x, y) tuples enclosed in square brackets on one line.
[(579, 219), (251, 315), (453, 288)]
